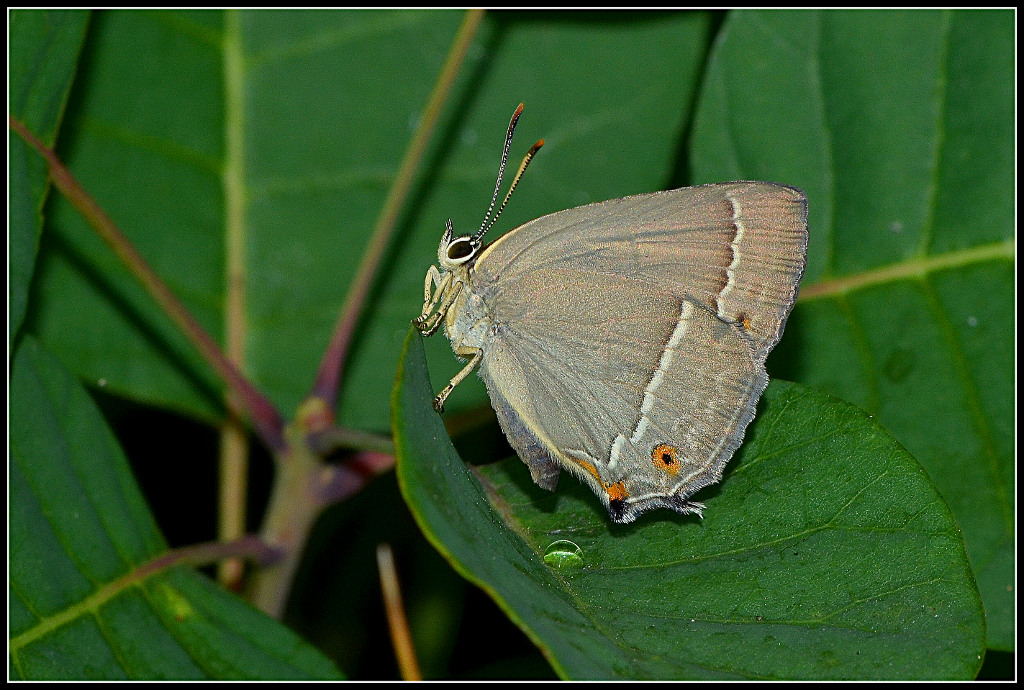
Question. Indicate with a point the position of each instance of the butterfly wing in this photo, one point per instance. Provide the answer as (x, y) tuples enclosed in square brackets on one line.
[(738, 248), (563, 365), (628, 345)]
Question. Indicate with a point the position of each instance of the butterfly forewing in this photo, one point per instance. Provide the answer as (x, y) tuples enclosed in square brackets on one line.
[(738, 248)]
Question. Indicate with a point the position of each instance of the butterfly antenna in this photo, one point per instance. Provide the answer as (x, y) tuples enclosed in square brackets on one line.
[(488, 221), (515, 180), (501, 168)]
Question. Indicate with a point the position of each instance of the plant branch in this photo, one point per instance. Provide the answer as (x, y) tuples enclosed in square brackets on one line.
[(248, 547), (337, 438), (234, 446), (328, 376), (266, 421), (303, 483), (401, 639)]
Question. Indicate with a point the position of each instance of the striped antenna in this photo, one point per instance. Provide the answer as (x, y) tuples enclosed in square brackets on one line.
[(515, 180), (488, 221)]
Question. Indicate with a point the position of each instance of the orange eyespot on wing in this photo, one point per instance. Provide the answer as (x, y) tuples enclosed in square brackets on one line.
[(664, 458), (617, 501), (616, 491)]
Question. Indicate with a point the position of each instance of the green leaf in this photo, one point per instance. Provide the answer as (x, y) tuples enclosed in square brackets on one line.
[(320, 109), (44, 47), (900, 127), (824, 553), (83, 602)]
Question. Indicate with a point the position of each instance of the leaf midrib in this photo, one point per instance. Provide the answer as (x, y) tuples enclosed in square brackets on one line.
[(234, 187), (917, 267)]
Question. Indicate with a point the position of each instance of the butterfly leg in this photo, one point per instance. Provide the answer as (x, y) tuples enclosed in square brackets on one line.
[(426, 322), (475, 354), (429, 296), (433, 278), (451, 292)]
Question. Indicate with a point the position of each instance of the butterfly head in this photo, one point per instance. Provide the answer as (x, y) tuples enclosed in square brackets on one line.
[(454, 252)]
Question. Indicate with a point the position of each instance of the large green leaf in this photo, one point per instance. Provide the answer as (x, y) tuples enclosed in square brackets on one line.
[(44, 47), (900, 127), (320, 107), (824, 553), (82, 603)]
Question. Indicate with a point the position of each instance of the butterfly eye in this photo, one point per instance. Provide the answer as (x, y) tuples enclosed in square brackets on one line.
[(664, 458), (461, 249)]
